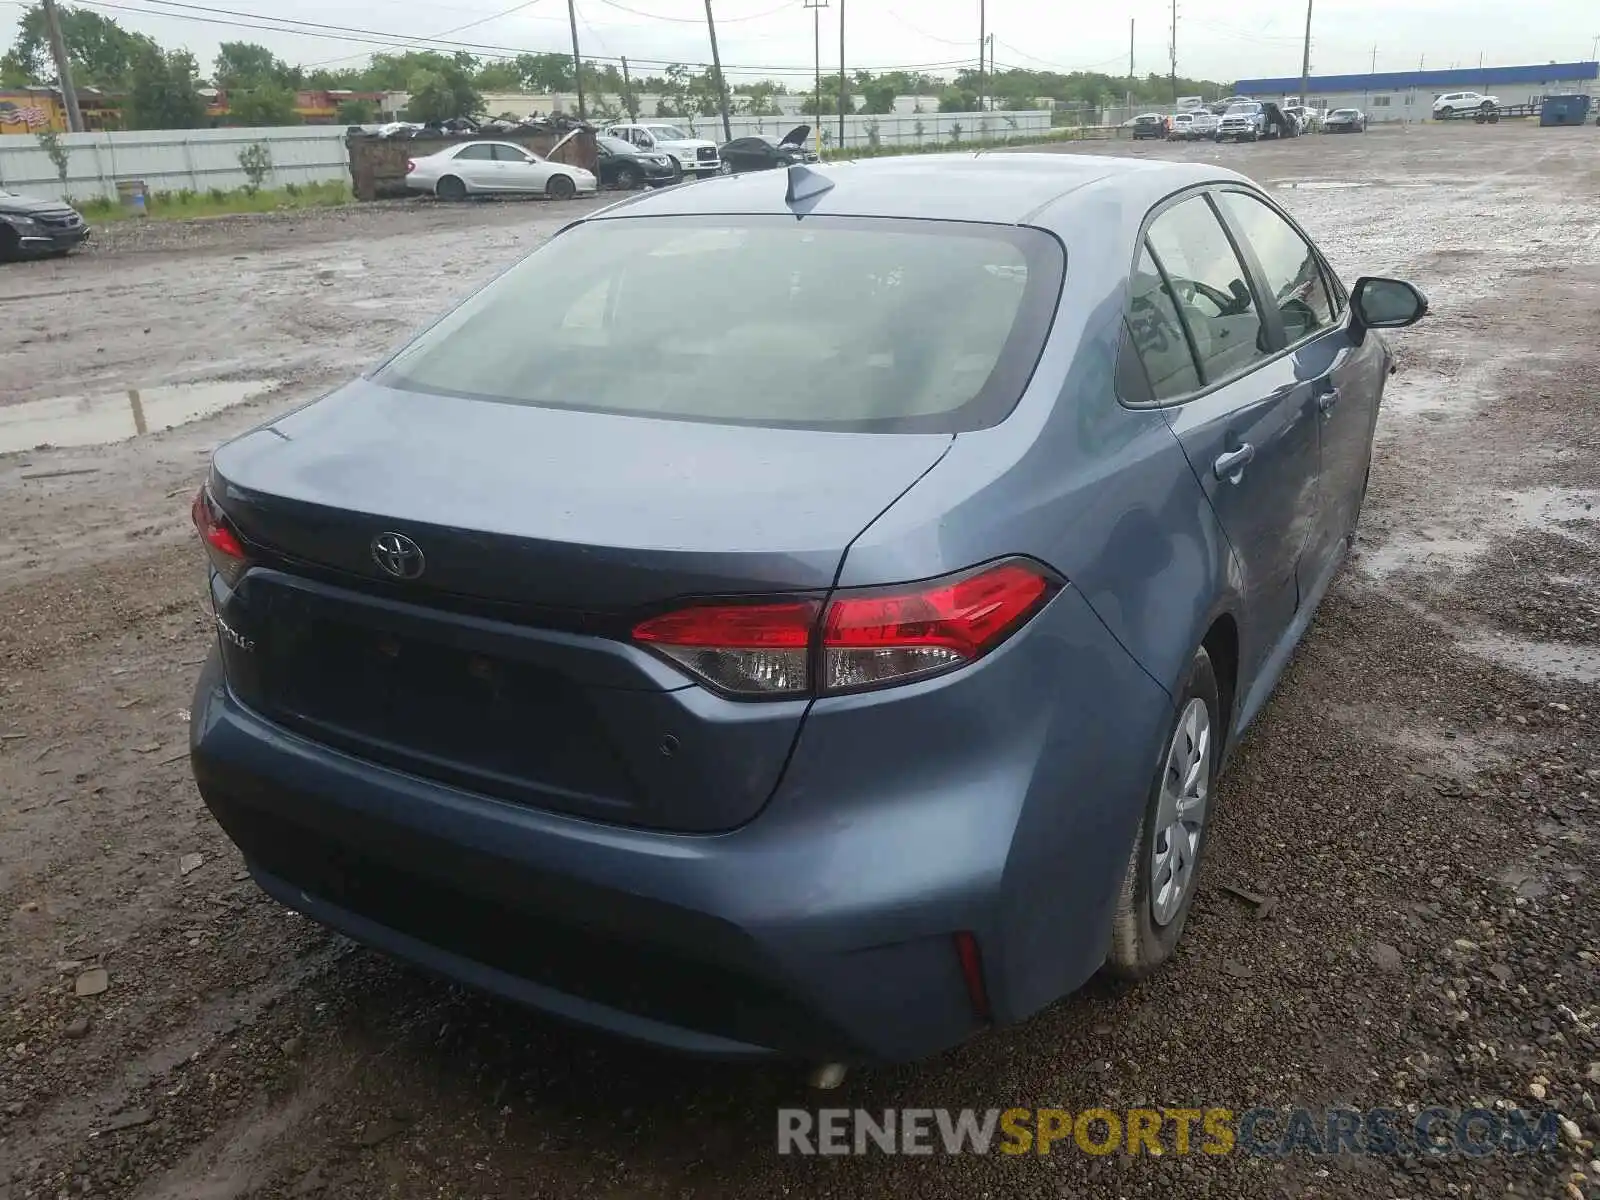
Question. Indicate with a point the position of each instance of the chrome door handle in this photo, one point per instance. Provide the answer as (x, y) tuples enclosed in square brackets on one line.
[(1327, 400), (1230, 466)]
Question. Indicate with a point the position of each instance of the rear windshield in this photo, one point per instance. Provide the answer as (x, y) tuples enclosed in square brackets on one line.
[(822, 323)]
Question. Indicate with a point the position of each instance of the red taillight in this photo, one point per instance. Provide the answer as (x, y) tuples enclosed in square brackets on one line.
[(866, 638), (221, 543), (755, 649), (891, 635)]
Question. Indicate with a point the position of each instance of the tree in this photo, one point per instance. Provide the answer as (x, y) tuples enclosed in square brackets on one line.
[(161, 91), (545, 72), (102, 52), (267, 104), (441, 96), (878, 98), (358, 112), (247, 65), (957, 100), (498, 77)]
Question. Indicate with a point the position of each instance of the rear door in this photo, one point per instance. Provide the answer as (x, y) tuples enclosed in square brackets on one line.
[(476, 166), (1341, 377), (1247, 427)]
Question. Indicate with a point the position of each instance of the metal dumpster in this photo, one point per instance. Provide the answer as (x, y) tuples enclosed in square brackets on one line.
[(1564, 110)]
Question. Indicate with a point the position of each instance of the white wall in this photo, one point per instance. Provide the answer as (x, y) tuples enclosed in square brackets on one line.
[(1416, 104), (170, 160), (200, 159)]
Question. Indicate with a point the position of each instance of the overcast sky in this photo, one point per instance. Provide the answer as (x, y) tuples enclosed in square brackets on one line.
[(1216, 40)]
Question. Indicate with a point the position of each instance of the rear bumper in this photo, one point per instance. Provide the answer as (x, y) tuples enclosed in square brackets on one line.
[(821, 929)]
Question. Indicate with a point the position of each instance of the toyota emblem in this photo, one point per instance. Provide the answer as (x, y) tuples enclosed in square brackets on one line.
[(398, 555)]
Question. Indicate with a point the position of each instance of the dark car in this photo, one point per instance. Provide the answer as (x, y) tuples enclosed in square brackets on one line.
[(623, 165), (38, 227), (1345, 120), (764, 152), (845, 715), (1149, 125)]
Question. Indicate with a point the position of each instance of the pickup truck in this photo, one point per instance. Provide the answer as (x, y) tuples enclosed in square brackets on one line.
[(693, 156)]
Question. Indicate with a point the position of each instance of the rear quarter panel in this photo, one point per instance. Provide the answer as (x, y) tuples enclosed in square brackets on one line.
[(1100, 491)]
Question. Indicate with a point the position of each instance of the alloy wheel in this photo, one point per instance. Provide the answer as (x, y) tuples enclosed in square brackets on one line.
[(1181, 812)]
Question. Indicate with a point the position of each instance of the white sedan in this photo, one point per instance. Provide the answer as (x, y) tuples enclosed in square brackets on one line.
[(481, 168)]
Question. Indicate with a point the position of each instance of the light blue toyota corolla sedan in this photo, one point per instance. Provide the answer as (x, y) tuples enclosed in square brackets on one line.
[(802, 613)]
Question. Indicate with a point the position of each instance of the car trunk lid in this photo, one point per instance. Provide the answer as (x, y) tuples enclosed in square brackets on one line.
[(503, 665)]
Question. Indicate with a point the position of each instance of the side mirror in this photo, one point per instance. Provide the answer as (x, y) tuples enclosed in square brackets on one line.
[(1388, 303)]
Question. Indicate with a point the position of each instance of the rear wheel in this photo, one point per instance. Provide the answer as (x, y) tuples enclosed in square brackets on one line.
[(1163, 867), (10, 244), (561, 187), (451, 188)]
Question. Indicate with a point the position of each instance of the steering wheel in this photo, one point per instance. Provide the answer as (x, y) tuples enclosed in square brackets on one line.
[(1188, 289)]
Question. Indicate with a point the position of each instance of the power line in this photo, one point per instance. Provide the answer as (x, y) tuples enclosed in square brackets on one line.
[(442, 33), (348, 33), (696, 20)]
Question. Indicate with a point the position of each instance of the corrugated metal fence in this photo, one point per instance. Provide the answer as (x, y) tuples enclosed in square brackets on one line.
[(200, 159), (171, 160)]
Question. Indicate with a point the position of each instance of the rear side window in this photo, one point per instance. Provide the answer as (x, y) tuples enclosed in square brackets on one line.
[(826, 323), (476, 152), (509, 154), (1157, 334), (1289, 266), (1211, 288)]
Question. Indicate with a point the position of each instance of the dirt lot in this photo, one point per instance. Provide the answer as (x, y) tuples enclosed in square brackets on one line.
[(1419, 798)]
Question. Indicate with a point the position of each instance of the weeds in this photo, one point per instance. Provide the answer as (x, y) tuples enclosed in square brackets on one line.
[(217, 203)]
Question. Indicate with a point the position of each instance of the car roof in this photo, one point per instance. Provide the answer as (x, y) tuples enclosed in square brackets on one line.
[(996, 187)]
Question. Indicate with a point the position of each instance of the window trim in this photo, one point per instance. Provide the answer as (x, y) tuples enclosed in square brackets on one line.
[(1254, 278)]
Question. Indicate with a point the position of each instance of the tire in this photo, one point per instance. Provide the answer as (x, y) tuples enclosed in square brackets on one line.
[(725, 168), (628, 179), (450, 188), (1446, 112), (1486, 106), (677, 169), (1154, 905), (560, 187), (10, 244)]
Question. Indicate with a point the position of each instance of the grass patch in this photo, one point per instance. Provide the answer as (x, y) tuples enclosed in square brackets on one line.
[(182, 205)]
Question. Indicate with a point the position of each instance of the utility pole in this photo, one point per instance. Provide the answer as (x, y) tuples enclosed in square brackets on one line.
[(577, 61), (1130, 67), (1374, 60), (844, 88), (722, 84), (983, 41), (58, 50), (1174, 53), (816, 7), (627, 91), (1305, 62)]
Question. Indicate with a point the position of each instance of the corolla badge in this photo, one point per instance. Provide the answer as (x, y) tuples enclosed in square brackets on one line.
[(398, 555)]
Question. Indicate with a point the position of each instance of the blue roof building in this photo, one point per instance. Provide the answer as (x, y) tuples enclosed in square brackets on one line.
[(1409, 95)]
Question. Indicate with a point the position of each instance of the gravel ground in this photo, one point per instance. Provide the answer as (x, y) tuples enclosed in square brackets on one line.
[(1419, 798)]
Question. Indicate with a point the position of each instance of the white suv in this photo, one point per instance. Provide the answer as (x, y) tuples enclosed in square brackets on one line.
[(1454, 102), (693, 156)]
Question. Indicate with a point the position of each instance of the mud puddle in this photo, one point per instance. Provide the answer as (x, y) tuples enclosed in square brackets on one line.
[(94, 420)]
